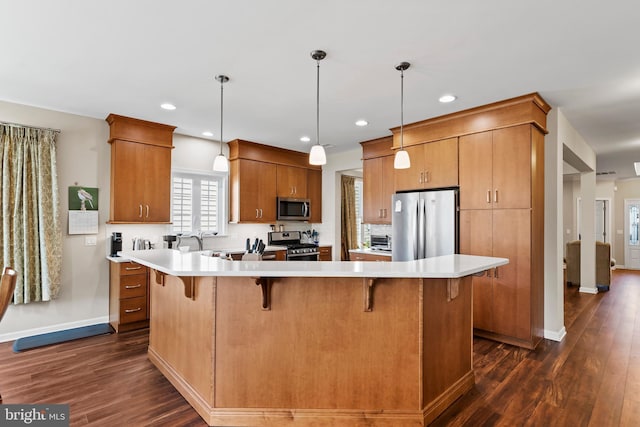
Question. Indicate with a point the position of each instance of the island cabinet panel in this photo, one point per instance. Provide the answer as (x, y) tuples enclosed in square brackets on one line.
[(253, 189), (292, 182), (318, 354), (140, 171), (433, 165), (502, 215)]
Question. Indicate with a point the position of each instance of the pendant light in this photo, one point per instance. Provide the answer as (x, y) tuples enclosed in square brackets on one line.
[(220, 164), (317, 155), (402, 160)]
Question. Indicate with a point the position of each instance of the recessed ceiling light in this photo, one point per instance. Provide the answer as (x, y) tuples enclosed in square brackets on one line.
[(636, 165), (168, 106), (207, 133), (305, 139), (362, 122), (447, 98)]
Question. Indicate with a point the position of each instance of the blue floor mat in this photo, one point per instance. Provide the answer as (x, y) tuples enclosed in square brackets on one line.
[(27, 343)]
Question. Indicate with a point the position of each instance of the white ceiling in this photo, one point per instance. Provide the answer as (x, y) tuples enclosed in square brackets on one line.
[(127, 57)]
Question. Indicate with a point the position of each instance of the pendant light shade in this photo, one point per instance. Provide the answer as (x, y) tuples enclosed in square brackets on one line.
[(317, 156), (220, 164), (401, 160)]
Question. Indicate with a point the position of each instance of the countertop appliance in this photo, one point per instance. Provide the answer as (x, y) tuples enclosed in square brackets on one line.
[(293, 209), (296, 250), (380, 242), (116, 243), (424, 224)]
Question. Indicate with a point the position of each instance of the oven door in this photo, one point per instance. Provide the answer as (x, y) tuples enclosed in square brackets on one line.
[(313, 256)]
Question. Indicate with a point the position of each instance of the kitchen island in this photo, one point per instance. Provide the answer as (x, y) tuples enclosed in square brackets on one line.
[(274, 343)]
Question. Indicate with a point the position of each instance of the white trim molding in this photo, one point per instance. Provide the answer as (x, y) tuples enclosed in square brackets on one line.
[(587, 290), (555, 335)]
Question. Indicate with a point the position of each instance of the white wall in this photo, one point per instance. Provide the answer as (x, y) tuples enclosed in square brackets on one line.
[(82, 159)]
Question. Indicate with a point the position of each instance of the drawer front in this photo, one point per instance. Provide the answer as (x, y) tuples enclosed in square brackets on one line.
[(134, 285), (133, 309), (127, 268)]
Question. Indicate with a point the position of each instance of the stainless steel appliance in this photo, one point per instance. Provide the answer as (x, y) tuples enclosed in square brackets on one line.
[(296, 251), (380, 242), (293, 209), (424, 224)]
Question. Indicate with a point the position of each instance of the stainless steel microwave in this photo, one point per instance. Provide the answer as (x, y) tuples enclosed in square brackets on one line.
[(293, 209)]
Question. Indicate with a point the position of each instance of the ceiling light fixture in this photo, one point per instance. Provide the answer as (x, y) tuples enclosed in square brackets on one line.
[(401, 160), (636, 165), (447, 98), (361, 122), (207, 133), (317, 156), (168, 106), (220, 164), (305, 138)]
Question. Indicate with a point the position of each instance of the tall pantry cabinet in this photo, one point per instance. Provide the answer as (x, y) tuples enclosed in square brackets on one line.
[(502, 215)]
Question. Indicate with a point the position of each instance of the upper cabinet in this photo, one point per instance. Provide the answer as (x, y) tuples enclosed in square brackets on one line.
[(377, 180), (495, 169), (140, 170), (292, 182), (261, 173), (433, 165)]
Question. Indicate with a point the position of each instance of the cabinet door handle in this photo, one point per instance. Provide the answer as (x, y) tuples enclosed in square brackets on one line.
[(426, 176), (147, 210), (260, 212), (133, 310), (495, 273), (140, 214), (133, 286), (385, 212), (421, 177), (488, 196), (495, 196), (257, 213), (132, 268)]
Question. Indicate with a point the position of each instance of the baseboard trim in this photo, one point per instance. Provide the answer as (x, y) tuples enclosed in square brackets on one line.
[(555, 335), (12, 336), (586, 290)]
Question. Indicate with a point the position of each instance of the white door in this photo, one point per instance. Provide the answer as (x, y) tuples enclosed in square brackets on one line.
[(632, 233)]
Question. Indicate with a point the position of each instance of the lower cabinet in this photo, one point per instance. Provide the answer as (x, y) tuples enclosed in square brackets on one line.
[(359, 256), (325, 253), (128, 296), (507, 300)]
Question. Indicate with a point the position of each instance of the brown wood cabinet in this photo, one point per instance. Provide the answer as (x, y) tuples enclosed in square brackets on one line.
[(358, 256), (128, 296), (260, 173), (325, 253), (253, 189), (433, 165), (495, 169), (140, 171), (291, 182), (377, 180), (314, 192), (502, 215)]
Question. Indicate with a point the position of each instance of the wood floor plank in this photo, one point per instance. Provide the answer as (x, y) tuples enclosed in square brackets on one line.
[(592, 378)]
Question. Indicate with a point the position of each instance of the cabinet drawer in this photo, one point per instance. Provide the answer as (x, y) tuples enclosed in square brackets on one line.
[(133, 309), (134, 285), (130, 267)]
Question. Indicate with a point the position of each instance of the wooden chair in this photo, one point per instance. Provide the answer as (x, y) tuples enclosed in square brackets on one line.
[(7, 286)]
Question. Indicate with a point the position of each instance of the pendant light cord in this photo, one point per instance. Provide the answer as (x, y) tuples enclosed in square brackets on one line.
[(221, 111), (401, 109), (318, 103)]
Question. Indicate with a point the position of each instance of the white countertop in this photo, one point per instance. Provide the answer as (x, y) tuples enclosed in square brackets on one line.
[(171, 261)]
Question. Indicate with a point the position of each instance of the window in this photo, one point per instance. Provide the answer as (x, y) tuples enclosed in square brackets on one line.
[(363, 230), (198, 202)]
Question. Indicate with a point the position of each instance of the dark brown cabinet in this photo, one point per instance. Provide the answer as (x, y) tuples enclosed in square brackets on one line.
[(128, 296), (377, 180), (253, 189), (433, 165)]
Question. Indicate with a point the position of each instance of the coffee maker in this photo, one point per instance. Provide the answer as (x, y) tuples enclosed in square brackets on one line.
[(116, 243)]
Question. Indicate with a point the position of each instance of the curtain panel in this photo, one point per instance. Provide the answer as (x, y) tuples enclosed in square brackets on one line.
[(30, 228), (349, 232)]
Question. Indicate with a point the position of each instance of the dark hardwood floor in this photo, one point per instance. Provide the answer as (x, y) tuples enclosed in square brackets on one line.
[(592, 378)]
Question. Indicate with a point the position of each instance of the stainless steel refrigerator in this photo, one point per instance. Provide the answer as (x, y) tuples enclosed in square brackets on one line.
[(424, 224)]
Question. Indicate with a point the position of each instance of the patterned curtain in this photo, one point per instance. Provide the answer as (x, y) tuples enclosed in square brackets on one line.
[(349, 233), (30, 230)]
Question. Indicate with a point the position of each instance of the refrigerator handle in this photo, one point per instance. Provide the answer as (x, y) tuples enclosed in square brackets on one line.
[(421, 238)]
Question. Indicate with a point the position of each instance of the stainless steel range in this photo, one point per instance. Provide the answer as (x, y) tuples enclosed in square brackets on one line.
[(296, 250)]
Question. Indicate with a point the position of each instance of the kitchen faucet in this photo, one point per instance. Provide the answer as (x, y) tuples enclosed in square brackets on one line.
[(196, 235)]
